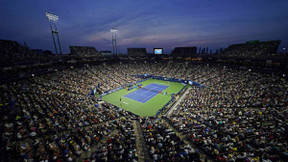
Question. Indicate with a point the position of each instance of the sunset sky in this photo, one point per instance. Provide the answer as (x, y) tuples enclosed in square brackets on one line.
[(145, 23)]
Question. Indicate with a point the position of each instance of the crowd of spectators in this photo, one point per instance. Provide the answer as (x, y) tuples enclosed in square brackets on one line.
[(136, 52), (84, 51), (49, 111), (251, 50), (238, 115), (164, 144), (229, 134), (120, 144), (184, 51), (11, 53)]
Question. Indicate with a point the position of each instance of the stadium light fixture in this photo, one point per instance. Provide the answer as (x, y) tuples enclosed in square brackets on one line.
[(113, 30), (51, 17), (114, 44)]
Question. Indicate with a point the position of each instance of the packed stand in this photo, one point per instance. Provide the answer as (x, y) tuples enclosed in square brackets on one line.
[(120, 144), (12, 53), (137, 52), (37, 111), (164, 144), (251, 50), (238, 115), (84, 51)]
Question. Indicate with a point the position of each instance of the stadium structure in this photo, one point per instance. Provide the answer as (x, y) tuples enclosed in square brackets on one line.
[(230, 105), (184, 51), (139, 107)]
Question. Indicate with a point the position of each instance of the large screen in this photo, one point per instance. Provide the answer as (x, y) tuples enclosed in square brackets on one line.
[(158, 51)]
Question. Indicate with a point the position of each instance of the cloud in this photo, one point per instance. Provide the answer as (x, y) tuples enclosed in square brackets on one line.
[(150, 23)]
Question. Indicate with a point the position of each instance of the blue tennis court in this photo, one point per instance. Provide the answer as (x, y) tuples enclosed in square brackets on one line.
[(146, 93)]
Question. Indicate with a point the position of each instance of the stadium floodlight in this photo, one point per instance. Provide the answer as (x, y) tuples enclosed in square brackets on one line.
[(113, 30), (114, 44), (51, 17)]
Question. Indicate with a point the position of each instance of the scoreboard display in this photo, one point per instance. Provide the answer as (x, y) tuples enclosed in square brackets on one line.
[(158, 51)]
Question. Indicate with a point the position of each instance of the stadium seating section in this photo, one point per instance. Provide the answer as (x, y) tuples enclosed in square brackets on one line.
[(252, 49), (84, 51), (184, 51), (137, 52), (240, 115), (12, 53)]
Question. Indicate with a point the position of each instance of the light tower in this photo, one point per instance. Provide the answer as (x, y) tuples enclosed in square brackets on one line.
[(52, 19), (114, 45)]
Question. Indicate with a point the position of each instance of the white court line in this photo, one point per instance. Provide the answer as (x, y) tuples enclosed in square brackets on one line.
[(151, 96), (145, 92), (148, 97)]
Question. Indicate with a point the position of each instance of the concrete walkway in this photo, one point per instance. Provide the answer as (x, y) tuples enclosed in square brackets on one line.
[(178, 102), (142, 150)]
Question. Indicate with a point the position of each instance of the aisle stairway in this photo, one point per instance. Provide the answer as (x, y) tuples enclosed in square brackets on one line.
[(178, 102), (203, 156), (143, 153)]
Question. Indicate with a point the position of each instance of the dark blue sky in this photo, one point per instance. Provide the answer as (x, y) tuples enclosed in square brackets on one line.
[(145, 23)]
